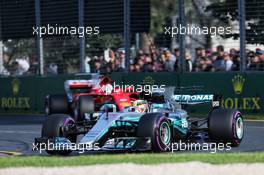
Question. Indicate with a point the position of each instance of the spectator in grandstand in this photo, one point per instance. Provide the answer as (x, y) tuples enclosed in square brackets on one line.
[(253, 61), (101, 66), (177, 55), (4, 72), (118, 66), (21, 66), (96, 66), (15, 69), (148, 66), (87, 68), (52, 69), (132, 68), (228, 62), (202, 61), (157, 66), (218, 60), (260, 54), (162, 60), (121, 56), (137, 68), (188, 64), (140, 56), (140, 63), (34, 66), (169, 61), (198, 55), (234, 55), (153, 52)]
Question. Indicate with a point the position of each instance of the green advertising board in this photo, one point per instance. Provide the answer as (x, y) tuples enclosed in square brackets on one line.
[(241, 91)]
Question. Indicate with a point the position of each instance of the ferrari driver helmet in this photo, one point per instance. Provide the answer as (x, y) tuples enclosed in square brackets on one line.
[(141, 106)]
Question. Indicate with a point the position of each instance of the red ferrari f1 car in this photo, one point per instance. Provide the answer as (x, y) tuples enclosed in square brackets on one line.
[(83, 96)]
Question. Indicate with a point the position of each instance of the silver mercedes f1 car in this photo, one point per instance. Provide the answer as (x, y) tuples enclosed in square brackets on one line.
[(152, 123)]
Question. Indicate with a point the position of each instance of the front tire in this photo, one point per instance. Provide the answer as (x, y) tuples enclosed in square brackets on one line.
[(158, 128), (52, 128), (226, 125)]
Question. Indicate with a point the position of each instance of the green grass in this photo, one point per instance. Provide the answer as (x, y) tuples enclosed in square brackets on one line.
[(144, 158)]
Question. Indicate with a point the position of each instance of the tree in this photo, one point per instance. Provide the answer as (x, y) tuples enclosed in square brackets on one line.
[(227, 12), (162, 13)]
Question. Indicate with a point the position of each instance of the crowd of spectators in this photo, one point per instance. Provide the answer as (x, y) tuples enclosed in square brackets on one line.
[(164, 60), (155, 60), (19, 66)]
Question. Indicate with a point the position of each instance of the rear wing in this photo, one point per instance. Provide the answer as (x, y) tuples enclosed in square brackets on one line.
[(70, 85), (79, 84)]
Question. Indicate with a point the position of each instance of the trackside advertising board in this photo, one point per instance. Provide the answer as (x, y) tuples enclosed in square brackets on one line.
[(242, 91)]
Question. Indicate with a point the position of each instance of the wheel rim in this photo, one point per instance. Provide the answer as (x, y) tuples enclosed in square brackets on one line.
[(67, 122), (239, 127), (165, 133)]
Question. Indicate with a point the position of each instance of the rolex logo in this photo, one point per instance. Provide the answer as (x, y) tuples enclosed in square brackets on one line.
[(15, 86), (148, 80), (238, 83)]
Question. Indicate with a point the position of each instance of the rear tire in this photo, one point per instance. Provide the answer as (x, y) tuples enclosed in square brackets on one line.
[(84, 105), (226, 125), (56, 104), (158, 128), (52, 128)]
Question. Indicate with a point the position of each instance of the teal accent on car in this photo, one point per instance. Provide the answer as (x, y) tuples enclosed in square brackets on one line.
[(178, 124), (115, 123)]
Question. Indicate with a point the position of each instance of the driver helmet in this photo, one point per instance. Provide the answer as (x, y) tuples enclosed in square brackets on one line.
[(141, 106)]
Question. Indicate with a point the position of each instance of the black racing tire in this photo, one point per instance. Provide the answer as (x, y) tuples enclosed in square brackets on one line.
[(84, 105), (52, 128), (56, 104), (158, 128), (226, 125)]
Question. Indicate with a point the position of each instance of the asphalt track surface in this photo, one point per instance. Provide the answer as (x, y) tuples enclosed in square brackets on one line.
[(17, 134)]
